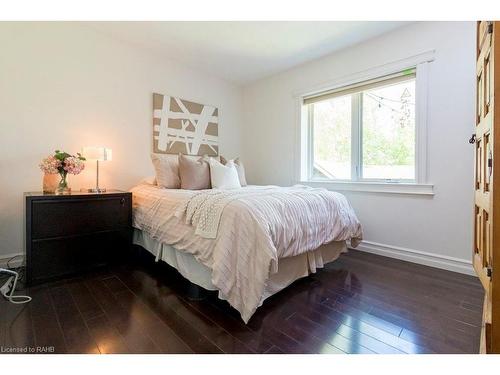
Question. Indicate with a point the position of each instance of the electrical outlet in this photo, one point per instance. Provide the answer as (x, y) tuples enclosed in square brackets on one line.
[(5, 289)]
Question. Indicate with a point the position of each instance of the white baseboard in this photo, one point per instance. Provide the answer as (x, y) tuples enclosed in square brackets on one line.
[(417, 256), (4, 258)]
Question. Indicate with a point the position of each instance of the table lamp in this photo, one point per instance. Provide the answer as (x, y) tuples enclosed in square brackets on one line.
[(98, 154)]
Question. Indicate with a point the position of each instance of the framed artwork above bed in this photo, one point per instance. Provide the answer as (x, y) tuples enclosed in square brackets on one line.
[(182, 126)]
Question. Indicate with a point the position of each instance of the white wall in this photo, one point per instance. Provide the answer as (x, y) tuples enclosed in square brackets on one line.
[(63, 86), (395, 225)]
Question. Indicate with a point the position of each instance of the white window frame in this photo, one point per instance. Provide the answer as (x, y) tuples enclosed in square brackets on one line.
[(303, 164)]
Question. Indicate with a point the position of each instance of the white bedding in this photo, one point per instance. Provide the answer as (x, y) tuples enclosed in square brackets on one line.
[(254, 230)]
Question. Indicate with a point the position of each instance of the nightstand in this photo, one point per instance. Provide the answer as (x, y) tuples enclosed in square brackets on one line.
[(67, 234)]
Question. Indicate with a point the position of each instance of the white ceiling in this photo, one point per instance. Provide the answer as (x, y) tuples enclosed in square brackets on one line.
[(242, 52)]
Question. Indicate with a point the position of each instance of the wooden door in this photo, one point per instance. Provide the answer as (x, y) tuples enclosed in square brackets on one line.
[(486, 258)]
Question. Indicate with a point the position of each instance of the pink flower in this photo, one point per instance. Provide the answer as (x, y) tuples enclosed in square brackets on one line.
[(73, 165), (50, 165)]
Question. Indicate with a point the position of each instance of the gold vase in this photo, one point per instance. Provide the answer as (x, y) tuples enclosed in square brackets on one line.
[(50, 183)]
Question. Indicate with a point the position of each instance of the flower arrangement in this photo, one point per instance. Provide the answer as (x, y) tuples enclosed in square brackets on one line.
[(63, 163)]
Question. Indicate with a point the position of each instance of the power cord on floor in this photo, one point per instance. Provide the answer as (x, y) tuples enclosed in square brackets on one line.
[(9, 287)]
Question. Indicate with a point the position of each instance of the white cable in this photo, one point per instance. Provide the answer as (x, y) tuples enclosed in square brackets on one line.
[(10, 296)]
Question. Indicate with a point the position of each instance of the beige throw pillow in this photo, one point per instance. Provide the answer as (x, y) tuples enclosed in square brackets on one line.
[(167, 170), (240, 168), (194, 174)]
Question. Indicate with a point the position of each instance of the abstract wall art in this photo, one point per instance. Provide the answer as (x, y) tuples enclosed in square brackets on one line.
[(182, 126)]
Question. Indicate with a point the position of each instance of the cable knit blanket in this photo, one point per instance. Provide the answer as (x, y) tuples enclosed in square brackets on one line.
[(204, 209), (240, 234)]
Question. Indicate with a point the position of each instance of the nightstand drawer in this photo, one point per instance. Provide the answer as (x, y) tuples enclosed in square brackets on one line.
[(68, 217), (66, 256)]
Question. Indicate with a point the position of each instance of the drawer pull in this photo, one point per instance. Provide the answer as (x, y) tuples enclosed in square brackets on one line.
[(122, 201)]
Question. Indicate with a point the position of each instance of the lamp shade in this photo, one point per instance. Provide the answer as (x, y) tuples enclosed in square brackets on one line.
[(97, 153)]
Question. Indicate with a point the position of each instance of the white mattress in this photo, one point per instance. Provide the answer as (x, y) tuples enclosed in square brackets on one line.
[(289, 269)]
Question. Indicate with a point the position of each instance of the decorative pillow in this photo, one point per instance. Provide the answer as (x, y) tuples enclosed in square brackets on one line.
[(239, 167), (224, 176), (150, 180), (194, 174), (167, 170)]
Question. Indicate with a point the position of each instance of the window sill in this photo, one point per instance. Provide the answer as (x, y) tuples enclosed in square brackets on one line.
[(374, 187)]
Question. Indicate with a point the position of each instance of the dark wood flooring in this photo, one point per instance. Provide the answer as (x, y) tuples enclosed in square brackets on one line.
[(361, 303)]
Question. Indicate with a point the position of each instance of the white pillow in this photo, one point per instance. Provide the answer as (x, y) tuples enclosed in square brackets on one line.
[(224, 176), (239, 167)]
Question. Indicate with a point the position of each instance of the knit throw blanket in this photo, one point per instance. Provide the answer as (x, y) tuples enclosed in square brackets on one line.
[(204, 209)]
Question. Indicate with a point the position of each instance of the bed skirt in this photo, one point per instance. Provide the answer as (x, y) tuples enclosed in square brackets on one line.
[(289, 269)]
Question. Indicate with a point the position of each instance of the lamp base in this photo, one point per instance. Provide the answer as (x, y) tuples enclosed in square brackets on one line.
[(94, 190)]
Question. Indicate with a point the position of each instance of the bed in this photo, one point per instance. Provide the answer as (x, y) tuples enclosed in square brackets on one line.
[(247, 243)]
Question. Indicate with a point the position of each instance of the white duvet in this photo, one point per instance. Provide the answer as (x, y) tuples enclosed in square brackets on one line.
[(240, 234)]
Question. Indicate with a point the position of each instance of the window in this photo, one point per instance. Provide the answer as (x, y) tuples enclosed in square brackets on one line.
[(364, 132)]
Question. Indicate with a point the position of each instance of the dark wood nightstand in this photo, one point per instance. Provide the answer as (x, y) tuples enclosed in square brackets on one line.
[(67, 234)]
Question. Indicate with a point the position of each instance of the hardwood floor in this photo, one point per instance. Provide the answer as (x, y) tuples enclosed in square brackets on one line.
[(361, 303)]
